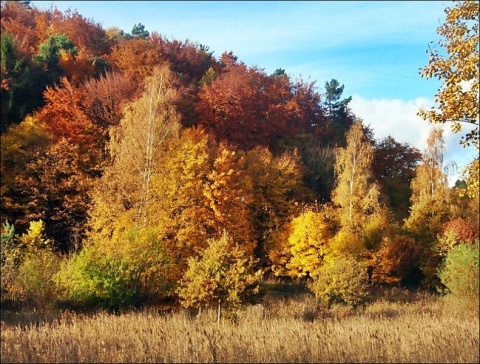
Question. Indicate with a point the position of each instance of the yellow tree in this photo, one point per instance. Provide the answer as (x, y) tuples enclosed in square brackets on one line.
[(135, 147), (356, 194), (223, 275), (430, 205), (308, 242), (457, 65)]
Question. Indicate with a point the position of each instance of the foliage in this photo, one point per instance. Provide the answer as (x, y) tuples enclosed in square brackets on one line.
[(308, 242), (460, 274), (28, 266), (341, 280), (221, 275), (394, 260), (17, 98), (337, 111), (20, 145), (124, 271), (464, 230), (355, 194), (431, 206), (457, 66), (278, 192), (394, 167)]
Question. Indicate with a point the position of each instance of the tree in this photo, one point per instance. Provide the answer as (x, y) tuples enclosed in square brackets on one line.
[(50, 53), (147, 123), (222, 275), (430, 179), (460, 274), (336, 110), (396, 258), (341, 280), (246, 107), (139, 30), (458, 98), (20, 146), (394, 168), (29, 264), (17, 100), (430, 205), (308, 242), (278, 193), (355, 193)]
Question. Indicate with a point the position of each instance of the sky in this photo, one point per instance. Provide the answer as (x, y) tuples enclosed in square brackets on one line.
[(374, 48)]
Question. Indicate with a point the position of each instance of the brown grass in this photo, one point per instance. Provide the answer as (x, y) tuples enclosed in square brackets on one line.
[(279, 330)]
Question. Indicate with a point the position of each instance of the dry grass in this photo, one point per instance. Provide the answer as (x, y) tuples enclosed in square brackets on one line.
[(279, 330)]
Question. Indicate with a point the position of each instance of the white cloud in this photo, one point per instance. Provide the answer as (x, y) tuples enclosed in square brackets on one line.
[(399, 119)]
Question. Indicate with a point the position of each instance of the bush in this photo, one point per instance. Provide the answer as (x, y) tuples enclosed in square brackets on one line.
[(28, 266), (460, 275), (119, 273), (222, 274), (341, 280)]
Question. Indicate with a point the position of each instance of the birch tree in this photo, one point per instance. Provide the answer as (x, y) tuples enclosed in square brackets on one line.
[(147, 123)]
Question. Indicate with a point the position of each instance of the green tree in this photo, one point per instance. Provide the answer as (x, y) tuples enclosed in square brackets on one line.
[(336, 110), (49, 55), (139, 30), (126, 270), (460, 274), (17, 96)]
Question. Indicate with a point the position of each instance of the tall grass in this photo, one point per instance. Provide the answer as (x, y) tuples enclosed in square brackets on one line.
[(279, 330)]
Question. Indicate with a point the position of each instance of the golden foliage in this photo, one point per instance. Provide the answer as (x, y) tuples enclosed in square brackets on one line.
[(308, 242), (458, 98), (222, 274)]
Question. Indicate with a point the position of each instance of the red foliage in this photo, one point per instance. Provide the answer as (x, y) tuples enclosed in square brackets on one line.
[(64, 113), (464, 230), (248, 108)]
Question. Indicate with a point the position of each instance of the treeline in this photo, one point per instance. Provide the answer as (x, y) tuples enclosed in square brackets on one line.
[(137, 169)]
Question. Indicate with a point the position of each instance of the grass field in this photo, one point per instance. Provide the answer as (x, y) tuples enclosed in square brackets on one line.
[(415, 328)]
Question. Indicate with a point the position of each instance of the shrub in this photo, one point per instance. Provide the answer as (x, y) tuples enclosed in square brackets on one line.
[(118, 273), (28, 266), (460, 274), (341, 280), (394, 260), (222, 274)]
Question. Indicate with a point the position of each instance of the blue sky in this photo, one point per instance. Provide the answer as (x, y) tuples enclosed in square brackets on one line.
[(374, 48)]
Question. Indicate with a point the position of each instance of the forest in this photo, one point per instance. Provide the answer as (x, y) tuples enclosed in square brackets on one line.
[(139, 171)]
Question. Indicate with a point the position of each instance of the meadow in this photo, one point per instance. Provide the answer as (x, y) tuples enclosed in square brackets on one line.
[(398, 327)]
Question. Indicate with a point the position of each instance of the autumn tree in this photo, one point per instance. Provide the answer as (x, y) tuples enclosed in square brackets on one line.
[(135, 145), (430, 205), (21, 145), (222, 276), (394, 260), (29, 263), (394, 166), (308, 242), (278, 193), (356, 194), (341, 281), (457, 64), (246, 107), (137, 57)]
